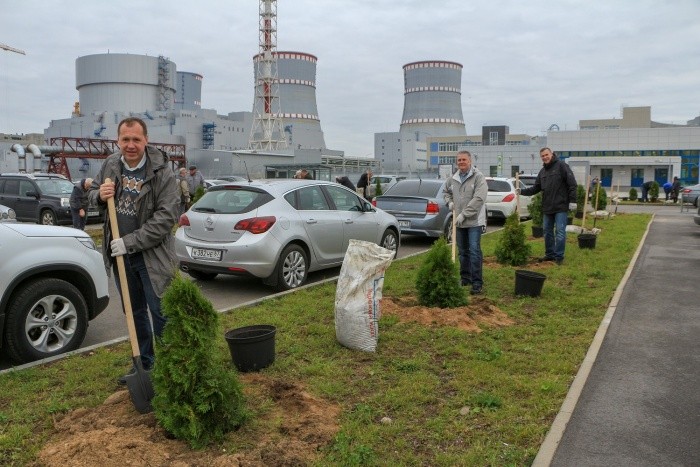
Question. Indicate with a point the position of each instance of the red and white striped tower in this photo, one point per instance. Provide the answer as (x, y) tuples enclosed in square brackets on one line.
[(266, 132)]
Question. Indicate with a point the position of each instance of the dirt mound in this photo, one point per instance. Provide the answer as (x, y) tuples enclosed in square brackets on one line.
[(480, 312), (115, 434)]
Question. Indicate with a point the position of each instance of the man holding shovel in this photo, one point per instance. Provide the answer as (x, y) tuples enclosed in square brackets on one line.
[(465, 194), (144, 190)]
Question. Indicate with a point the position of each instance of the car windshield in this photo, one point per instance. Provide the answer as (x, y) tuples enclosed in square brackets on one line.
[(424, 188), (498, 185), (55, 186), (231, 200)]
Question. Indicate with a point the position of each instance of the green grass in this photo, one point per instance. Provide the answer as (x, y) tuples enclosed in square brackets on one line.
[(454, 398)]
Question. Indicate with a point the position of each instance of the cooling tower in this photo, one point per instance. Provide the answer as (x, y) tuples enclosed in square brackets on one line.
[(188, 93), (124, 83), (432, 99), (296, 72)]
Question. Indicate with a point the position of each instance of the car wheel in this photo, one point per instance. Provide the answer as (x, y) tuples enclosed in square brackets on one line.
[(292, 268), (390, 241), (202, 276), (48, 217), (46, 317)]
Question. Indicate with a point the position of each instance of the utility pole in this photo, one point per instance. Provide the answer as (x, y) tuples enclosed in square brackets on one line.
[(11, 49)]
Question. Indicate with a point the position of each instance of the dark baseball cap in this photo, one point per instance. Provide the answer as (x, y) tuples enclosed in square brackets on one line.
[(193, 167)]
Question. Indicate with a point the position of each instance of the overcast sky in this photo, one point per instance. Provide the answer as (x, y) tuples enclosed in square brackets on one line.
[(527, 65)]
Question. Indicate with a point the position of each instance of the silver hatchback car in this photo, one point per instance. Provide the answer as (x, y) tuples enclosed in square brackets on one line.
[(277, 230)]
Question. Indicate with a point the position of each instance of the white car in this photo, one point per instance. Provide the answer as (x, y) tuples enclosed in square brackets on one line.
[(386, 182), (277, 230), (52, 282), (501, 200)]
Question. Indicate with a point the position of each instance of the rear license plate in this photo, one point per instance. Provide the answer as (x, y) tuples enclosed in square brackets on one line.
[(203, 253), (490, 214), (406, 224)]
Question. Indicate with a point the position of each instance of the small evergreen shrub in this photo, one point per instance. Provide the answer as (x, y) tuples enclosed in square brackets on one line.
[(654, 191), (198, 397), (378, 186), (512, 248), (198, 193), (535, 209), (580, 200), (633, 194), (602, 199), (438, 282)]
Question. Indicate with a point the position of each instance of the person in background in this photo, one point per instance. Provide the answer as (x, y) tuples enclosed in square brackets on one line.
[(363, 184), (667, 190), (345, 181), (675, 189), (465, 194), (145, 192), (646, 186), (79, 203), (297, 174), (194, 179), (183, 190), (306, 175), (558, 186)]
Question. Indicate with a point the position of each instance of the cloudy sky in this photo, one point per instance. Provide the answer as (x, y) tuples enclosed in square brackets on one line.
[(527, 65)]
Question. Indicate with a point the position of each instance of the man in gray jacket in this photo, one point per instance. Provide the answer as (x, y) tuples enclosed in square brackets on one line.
[(465, 195), (145, 193)]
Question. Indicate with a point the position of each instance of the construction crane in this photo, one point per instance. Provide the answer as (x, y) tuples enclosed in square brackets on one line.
[(11, 49)]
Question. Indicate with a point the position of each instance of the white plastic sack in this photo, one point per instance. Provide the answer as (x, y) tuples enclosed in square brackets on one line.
[(358, 293)]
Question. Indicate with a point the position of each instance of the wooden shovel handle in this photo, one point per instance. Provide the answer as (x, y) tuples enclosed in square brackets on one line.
[(123, 284)]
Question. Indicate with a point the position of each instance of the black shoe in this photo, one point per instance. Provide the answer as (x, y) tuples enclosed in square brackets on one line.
[(122, 379), (544, 259), (476, 291), (560, 261)]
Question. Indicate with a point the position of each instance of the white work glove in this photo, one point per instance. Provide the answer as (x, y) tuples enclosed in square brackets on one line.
[(450, 205), (117, 246), (460, 218), (572, 206)]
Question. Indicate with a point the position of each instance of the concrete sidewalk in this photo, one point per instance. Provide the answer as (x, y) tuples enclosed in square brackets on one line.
[(636, 398)]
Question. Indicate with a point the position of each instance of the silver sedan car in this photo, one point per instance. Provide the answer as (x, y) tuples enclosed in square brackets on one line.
[(277, 230)]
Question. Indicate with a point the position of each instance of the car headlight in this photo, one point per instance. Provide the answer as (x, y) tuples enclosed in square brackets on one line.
[(65, 202), (88, 242)]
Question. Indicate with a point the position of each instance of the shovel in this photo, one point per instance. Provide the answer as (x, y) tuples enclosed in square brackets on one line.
[(454, 233), (139, 383)]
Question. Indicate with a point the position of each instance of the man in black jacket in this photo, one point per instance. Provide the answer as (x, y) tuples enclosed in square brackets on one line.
[(558, 186), (79, 203)]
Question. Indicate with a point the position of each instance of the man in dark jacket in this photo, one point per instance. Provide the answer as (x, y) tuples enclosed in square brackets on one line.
[(79, 203), (675, 189), (646, 186), (345, 181), (363, 184), (558, 186)]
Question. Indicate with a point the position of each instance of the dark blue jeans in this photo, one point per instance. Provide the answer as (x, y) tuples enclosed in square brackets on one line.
[(470, 256), (78, 222), (554, 244), (143, 300)]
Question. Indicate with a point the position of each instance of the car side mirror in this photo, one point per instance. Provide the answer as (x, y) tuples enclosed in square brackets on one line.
[(32, 193), (368, 207)]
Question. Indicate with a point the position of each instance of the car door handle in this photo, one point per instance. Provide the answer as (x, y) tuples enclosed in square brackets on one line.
[(349, 221), (311, 221)]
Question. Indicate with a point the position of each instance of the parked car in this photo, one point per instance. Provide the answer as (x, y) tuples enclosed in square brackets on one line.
[(528, 179), (208, 183), (691, 194), (52, 282), (232, 178), (696, 218), (41, 198), (386, 181), (277, 230), (501, 199), (7, 214), (419, 207)]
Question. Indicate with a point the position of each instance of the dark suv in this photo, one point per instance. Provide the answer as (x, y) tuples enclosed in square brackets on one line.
[(41, 198)]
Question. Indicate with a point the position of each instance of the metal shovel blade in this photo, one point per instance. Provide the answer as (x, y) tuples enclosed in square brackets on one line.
[(140, 387)]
